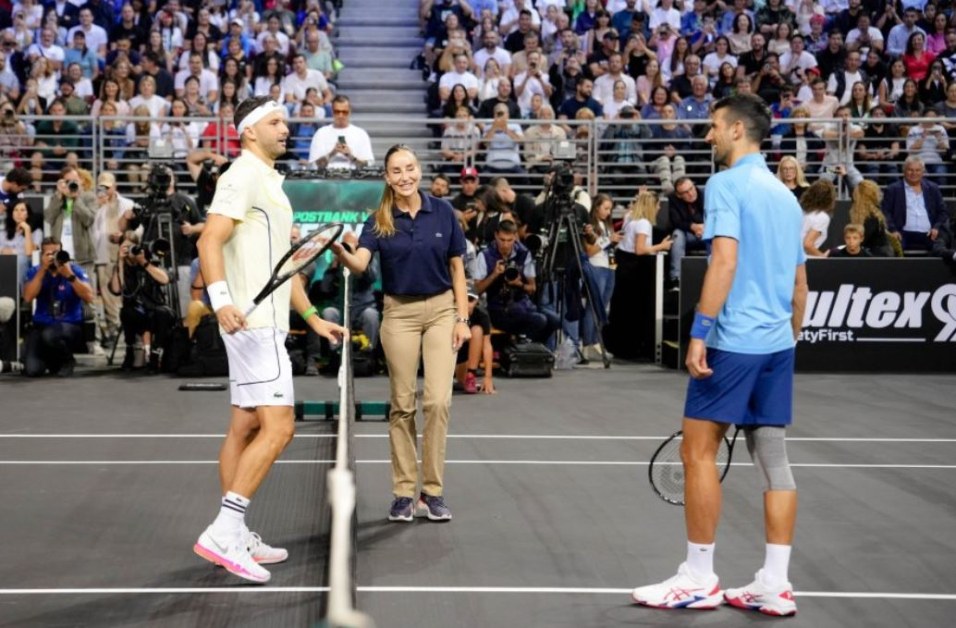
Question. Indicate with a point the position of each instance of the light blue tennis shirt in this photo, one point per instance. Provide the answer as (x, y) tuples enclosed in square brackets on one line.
[(750, 205)]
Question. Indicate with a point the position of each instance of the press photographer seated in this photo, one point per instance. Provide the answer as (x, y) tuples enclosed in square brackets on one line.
[(140, 282), (505, 271), (60, 288)]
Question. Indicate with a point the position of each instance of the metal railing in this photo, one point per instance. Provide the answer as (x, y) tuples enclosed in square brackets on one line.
[(611, 156)]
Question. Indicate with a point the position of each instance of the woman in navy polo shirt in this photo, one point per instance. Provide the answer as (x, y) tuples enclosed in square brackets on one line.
[(421, 248)]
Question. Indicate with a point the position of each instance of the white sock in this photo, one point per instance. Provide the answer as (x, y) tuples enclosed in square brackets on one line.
[(232, 513), (776, 565), (700, 559)]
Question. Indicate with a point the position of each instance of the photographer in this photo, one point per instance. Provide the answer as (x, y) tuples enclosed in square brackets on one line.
[(140, 283), (70, 214), (60, 289), (165, 202), (507, 272), (204, 168)]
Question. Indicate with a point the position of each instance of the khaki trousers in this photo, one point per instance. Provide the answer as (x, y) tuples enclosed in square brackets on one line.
[(111, 303), (411, 326)]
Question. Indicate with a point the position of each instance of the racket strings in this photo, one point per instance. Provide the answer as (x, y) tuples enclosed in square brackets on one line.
[(667, 470)]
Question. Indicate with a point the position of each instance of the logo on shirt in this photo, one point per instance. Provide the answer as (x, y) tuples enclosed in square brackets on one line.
[(438, 234)]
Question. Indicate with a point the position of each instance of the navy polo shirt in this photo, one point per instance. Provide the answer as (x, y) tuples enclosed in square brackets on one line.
[(414, 261), (57, 301)]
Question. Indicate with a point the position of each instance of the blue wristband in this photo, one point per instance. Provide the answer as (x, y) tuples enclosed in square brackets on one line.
[(702, 326)]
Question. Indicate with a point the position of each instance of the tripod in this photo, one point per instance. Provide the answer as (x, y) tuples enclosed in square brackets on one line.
[(563, 228)]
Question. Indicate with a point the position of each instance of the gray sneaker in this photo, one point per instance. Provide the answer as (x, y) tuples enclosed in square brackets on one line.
[(401, 509), (432, 507)]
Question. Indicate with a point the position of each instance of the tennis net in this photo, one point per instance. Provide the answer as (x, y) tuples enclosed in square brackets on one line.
[(341, 611)]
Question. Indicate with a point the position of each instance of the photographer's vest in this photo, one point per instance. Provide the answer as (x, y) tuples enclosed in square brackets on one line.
[(500, 295)]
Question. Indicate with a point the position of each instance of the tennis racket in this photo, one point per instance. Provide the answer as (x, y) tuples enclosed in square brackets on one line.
[(302, 253), (666, 471)]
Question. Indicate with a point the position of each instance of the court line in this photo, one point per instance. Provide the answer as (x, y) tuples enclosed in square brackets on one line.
[(580, 463), (944, 597), (809, 439)]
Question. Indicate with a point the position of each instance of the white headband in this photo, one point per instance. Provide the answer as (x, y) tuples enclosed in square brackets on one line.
[(259, 113)]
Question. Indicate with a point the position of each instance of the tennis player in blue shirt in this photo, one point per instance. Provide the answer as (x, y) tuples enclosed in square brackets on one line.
[(740, 359)]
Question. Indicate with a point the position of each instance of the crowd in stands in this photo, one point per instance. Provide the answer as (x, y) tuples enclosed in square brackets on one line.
[(666, 60), (166, 59)]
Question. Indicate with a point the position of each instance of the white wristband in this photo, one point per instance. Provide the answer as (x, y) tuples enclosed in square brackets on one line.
[(218, 295)]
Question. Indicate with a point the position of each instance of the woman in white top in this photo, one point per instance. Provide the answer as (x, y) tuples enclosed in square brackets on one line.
[(718, 57), (18, 238), (210, 60), (47, 84), (181, 134), (639, 226), (157, 105), (488, 83), (781, 43), (891, 87), (817, 203), (618, 101)]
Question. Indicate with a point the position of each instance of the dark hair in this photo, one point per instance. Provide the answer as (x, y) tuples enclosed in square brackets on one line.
[(49, 241), (442, 176), (9, 224), (748, 109), (821, 196), (342, 98), (246, 107), (507, 226), (20, 176)]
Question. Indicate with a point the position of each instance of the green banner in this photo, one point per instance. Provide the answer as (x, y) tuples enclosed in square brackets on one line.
[(318, 202)]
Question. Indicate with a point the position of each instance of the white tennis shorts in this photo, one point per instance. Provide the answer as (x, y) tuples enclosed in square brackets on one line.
[(260, 373)]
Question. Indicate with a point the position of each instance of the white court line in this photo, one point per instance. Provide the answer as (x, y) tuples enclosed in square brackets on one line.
[(808, 439), (945, 597), (579, 463)]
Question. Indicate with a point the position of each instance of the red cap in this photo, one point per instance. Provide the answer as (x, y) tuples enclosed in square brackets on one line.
[(469, 173)]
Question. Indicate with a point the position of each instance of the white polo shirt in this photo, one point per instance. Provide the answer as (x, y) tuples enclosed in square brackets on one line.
[(250, 192)]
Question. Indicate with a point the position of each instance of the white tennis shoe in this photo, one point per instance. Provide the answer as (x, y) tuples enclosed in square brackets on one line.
[(232, 553), (757, 596), (261, 552), (685, 590)]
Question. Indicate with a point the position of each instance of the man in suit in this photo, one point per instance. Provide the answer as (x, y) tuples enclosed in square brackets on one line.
[(914, 208)]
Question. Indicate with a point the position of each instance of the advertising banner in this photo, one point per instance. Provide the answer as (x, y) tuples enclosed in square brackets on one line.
[(318, 201), (895, 315)]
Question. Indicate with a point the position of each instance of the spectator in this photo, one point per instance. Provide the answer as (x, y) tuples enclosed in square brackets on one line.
[(203, 25), (106, 236), (439, 186), (618, 101), (686, 222), (622, 147), (341, 145), (272, 30), (833, 57), (196, 105), (841, 138), (140, 135), (302, 78), (864, 37), (144, 311), (46, 48), (860, 101), (486, 110), (301, 134), (637, 56), (488, 84), (114, 136), (459, 75), (157, 105), (540, 140), (936, 36), (477, 351), (697, 105), (271, 75), (459, 142), (13, 136), (503, 139), (779, 43), (928, 141), (599, 240), (721, 55), (932, 90), (603, 89), (533, 81), (43, 74), (773, 14), (68, 14), (505, 271), (602, 26), (853, 241), (750, 63), (155, 46), (818, 203), (673, 64), (127, 27), (875, 69), (221, 136), (153, 66), (598, 60), (821, 105), (232, 71), (208, 81), (948, 56), (96, 37), (879, 150), (198, 45), (865, 211), (791, 175), (916, 58), (19, 236), (582, 99), (60, 288), (228, 95), (648, 82), (795, 62), (909, 105), (75, 106), (741, 35), (56, 139), (800, 142), (899, 38), (465, 200), (623, 18), (914, 207), (365, 315), (670, 144), (491, 50)]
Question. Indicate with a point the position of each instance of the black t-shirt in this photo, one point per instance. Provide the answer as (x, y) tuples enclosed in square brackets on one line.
[(830, 62), (140, 289), (751, 63), (514, 42), (461, 202), (880, 138), (134, 33), (637, 66)]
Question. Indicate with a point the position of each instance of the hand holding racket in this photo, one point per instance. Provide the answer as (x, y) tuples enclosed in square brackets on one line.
[(303, 253), (666, 471)]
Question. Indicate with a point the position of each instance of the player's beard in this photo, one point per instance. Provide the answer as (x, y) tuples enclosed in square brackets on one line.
[(721, 155)]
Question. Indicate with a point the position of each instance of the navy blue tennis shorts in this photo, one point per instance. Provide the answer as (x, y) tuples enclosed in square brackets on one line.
[(745, 389)]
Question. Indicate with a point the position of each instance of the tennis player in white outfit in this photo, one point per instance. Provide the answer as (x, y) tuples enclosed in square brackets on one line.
[(247, 231)]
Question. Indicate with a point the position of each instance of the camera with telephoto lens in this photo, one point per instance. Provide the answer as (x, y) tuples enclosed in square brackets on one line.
[(61, 258), (73, 187), (157, 195), (159, 248), (511, 271)]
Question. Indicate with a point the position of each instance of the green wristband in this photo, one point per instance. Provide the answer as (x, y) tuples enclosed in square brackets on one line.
[(309, 312)]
